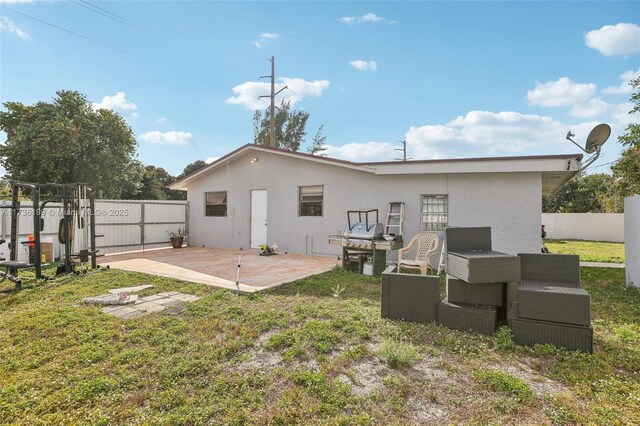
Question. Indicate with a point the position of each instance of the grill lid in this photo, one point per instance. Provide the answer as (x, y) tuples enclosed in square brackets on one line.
[(366, 227)]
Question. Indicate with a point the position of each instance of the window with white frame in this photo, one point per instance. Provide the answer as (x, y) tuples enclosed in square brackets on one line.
[(311, 199), (215, 203), (434, 212)]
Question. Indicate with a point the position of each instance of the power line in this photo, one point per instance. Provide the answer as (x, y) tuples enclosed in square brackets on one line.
[(67, 31), (104, 12), (90, 7), (118, 49), (120, 19)]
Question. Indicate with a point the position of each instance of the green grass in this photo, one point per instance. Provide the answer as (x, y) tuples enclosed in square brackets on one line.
[(398, 354), (506, 383), (589, 251), (301, 354)]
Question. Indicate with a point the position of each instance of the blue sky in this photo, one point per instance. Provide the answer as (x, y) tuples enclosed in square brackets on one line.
[(456, 79)]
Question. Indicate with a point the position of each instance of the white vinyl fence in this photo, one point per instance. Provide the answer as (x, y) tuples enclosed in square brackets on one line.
[(585, 226), (124, 225), (632, 244)]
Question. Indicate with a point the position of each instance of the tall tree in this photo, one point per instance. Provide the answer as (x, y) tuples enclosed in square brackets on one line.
[(583, 194), (626, 170), (290, 127), (67, 141), (191, 168), (318, 146), (150, 183), (155, 182)]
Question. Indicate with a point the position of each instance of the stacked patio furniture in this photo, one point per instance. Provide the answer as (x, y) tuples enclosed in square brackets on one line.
[(477, 278), (550, 305), (539, 295), (410, 297)]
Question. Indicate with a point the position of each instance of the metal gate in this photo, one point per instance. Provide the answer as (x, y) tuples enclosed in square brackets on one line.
[(124, 225)]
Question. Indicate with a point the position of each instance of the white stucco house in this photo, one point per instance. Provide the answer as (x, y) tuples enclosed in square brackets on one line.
[(256, 195)]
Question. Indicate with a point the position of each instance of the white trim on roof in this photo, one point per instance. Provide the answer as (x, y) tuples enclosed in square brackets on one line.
[(497, 165), (181, 184), (563, 164)]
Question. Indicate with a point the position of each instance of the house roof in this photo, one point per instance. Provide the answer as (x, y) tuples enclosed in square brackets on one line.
[(556, 169)]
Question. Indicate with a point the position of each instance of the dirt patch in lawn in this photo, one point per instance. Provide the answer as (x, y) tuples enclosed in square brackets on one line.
[(540, 385)]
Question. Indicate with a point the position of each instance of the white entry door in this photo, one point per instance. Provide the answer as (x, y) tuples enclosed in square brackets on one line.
[(258, 218)]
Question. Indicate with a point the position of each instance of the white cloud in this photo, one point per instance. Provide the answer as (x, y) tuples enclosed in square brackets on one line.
[(247, 93), (613, 40), (265, 39), (117, 102), (210, 160), (161, 120), (134, 115), (366, 18), (621, 116), (167, 138), (361, 65), (270, 36), (15, 1), (562, 92), (7, 25), (476, 134), (486, 133), (591, 108), (625, 87), (361, 152)]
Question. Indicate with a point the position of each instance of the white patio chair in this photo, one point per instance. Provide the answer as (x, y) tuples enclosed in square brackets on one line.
[(427, 245)]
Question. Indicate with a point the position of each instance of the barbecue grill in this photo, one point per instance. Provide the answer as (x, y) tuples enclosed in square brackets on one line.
[(362, 238)]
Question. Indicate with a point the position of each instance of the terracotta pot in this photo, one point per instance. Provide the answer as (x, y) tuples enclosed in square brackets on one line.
[(176, 242)]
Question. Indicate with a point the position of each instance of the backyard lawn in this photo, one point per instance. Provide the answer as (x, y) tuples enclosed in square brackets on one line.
[(312, 352), (589, 251)]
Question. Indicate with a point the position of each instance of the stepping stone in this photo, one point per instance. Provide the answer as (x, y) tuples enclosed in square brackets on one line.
[(130, 289), (112, 308), (151, 298), (123, 312), (110, 299), (134, 314), (185, 297), (175, 310), (150, 307), (168, 302), (168, 293)]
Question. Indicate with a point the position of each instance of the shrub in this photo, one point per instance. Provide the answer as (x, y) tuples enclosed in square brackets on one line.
[(398, 354)]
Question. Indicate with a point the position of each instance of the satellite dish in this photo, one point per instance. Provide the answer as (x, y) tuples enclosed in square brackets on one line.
[(597, 137)]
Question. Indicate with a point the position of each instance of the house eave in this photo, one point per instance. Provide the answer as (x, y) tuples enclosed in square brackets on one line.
[(555, 169)]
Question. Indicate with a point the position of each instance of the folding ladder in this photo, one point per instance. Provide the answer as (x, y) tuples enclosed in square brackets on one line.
[(395, 218)]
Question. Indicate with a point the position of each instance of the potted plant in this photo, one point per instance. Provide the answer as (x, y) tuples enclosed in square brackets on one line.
[(268, 250), (177, 238)]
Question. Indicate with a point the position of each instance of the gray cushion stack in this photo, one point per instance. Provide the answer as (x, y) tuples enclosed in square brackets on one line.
[(551, 306), (541, 293), (467, 317), (476, 280), (471, 258), (459, 291)]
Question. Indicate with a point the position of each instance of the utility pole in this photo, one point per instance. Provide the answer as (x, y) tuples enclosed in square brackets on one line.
[(404, 151), (272, 124)]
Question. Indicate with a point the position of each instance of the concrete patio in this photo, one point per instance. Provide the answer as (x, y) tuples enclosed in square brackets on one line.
[(218, 267)]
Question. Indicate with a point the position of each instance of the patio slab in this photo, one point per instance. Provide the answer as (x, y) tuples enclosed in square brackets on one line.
[(218, 267), (172, 303)]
